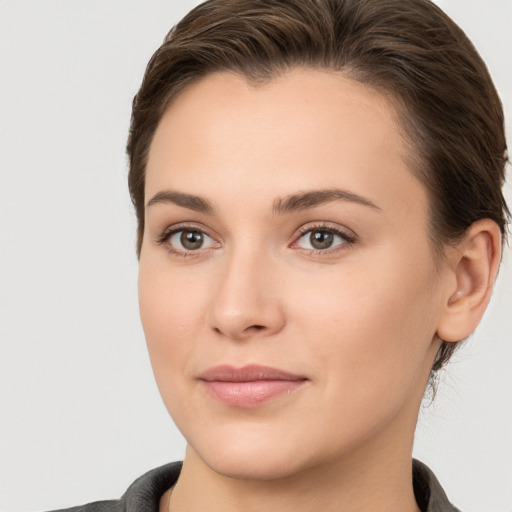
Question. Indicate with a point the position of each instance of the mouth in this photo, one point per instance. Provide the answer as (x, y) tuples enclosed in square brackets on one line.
[(250, 385)]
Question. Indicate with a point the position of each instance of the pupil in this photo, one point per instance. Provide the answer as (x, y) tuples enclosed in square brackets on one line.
[(191, 239), (321, 239)]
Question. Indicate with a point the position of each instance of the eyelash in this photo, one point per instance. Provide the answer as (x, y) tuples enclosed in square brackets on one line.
[(348, 239), (173, 230)]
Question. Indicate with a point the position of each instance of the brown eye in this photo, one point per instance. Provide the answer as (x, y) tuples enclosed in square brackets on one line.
[(191, 240), (321, 239), (185, 241)]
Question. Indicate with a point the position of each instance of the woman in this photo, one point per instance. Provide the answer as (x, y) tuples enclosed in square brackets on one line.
[(318, 191)]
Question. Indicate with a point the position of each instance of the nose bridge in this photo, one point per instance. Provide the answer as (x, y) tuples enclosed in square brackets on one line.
[(245, 301)]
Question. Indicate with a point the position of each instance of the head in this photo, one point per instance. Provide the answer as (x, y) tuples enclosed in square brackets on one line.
[(448, 110), (396, 69)]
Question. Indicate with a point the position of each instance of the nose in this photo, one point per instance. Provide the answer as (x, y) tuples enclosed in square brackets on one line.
[(246, 302)]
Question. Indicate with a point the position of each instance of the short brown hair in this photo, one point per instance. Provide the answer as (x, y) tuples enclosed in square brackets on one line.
[(449, 111)]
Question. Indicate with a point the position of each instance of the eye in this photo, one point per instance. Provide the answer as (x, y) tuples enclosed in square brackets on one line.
[(189, 240), (323, 239), (184, 241)]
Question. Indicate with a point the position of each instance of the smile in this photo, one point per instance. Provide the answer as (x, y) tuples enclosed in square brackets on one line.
[(249, 386)]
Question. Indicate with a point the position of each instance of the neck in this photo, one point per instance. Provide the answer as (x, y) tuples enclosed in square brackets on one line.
[(380, 482)]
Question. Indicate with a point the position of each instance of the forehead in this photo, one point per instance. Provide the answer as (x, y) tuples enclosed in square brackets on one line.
[(305, 129)]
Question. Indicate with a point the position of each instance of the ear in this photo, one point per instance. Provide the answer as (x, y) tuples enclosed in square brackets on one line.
[(474, 264)]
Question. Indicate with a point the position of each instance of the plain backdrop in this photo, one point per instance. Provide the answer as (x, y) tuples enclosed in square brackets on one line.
[(80, 415)]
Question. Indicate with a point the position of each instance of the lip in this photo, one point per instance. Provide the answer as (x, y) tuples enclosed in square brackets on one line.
[(249, 386)]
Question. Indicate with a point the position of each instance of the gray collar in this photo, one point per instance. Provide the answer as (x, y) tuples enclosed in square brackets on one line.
[(145, 493), (429, 494)]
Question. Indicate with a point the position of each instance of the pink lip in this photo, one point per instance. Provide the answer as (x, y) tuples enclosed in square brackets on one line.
[(250, 385)]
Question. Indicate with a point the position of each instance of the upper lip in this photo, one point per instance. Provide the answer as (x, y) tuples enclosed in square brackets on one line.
[(249, 373)]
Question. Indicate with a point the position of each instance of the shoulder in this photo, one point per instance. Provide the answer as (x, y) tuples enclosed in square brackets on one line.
[(430, 496), (143, 495)]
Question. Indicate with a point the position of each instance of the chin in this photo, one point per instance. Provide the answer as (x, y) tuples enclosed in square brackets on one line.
[(256, 454), (253, 467)]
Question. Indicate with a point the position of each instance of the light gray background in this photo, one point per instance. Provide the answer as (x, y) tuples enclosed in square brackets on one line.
[(80, 413)]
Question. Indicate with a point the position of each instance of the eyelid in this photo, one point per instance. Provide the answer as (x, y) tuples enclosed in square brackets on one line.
[(169, 231), (345, 233), (327, 226)]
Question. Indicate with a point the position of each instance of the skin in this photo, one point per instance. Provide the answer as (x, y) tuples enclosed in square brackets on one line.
[(359, 320)]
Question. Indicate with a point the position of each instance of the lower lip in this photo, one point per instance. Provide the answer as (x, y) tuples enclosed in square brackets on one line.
[(252, 393)]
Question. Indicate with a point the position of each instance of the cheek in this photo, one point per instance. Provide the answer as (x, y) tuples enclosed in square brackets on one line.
[(375, 319), (170, 310)]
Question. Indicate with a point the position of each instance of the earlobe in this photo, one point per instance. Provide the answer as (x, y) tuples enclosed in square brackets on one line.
[(475, 262)]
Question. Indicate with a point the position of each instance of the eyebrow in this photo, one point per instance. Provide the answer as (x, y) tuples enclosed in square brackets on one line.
[(189, 201), (312, 198), (281, 206)]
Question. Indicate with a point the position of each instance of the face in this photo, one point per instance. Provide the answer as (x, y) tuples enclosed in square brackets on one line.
[(288, 291)]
